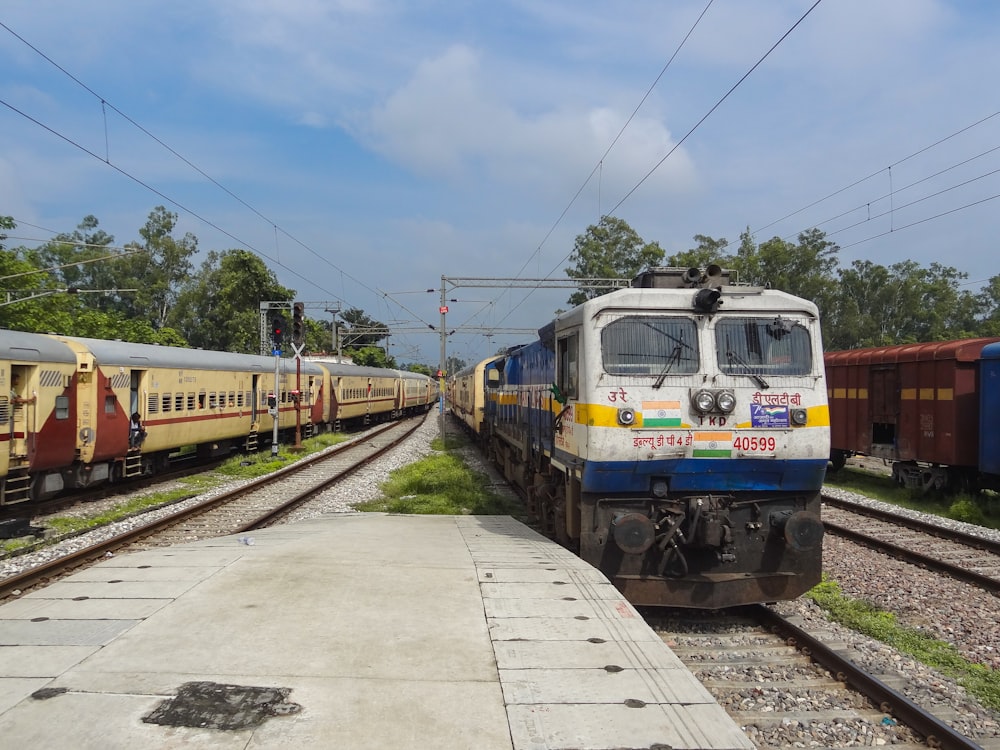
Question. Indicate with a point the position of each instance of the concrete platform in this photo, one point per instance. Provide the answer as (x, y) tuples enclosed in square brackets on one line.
[(348, 631)]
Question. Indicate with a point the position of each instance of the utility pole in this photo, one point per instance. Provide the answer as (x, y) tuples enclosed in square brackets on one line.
[(443, 309), (335, 331)]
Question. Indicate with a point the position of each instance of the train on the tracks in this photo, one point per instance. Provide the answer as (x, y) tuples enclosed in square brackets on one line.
[(674, 433), (66, 404), (929, 410)]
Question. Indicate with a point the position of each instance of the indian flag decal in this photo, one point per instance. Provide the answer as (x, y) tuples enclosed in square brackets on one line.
[(661, 413), (712, 445)]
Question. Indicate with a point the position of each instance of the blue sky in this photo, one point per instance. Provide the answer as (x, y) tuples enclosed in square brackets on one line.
[(381, 144)]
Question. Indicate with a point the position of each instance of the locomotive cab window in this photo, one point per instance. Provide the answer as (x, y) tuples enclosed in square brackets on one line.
[(646, 345), (763, 346), (568, 361)]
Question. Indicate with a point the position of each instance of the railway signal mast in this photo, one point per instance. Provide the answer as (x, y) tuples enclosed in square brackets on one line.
[(298, 344), (272, 337)]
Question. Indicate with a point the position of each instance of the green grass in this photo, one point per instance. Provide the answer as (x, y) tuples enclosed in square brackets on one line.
[(440, 484), (982, 510), (862, 617)]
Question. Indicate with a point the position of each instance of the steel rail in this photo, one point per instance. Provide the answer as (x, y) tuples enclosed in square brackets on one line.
[(42, 573), (928, 527), (936, 732)]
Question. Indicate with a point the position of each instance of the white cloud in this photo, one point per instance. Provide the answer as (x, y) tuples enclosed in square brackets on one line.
[(449, 121)]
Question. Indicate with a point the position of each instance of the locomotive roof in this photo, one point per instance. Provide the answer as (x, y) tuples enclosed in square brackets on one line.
[(128, 354), (735, 299), (34, 347)]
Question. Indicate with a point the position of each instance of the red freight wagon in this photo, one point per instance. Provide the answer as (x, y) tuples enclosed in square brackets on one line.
[(916, 405)]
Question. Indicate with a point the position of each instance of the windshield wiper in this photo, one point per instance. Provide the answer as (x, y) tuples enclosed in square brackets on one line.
[(734, 357), (675, 356)]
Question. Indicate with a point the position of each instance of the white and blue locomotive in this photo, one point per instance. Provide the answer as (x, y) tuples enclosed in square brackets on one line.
[(675, 433)]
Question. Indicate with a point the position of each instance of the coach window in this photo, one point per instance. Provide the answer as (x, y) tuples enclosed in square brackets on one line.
[(168, 401), (62, 407), (191, 402), (202, 399), (645, 345), (110, 405), (568, 373), (179, 402)]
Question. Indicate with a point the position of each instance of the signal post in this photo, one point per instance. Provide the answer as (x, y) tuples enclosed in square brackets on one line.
[(298, 344), (272, 315)]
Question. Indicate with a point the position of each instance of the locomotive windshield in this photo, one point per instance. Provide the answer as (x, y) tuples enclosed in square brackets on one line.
[(644, 345), (763, 346)]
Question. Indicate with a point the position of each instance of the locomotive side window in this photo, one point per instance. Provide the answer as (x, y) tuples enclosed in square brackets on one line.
[(763, 346), (568, 361), (644, 345)]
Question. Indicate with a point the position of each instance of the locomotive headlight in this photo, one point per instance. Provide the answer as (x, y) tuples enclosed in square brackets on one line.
[(704, 401), (799, 416), (726, 401), (626, 416)]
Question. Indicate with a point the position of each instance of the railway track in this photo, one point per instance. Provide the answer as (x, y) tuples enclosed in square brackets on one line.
[(21, 514), (254, 505), (789, 687), (965, 557)]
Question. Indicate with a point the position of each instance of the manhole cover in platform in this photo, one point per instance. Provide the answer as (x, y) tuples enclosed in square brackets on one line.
[(214, 706)]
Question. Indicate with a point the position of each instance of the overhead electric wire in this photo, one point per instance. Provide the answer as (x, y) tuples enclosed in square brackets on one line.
[(617, 137), (682, 140), (913, 184), (878, 172), (923, 221), (599, 163), (106, 160), (715, 107), (152, 189)]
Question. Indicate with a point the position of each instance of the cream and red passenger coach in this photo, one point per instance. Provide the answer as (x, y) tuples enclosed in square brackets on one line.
[(37, 408), (66, 418)]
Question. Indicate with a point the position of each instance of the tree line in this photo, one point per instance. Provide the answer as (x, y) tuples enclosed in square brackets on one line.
[(866, 304), (149, 291)]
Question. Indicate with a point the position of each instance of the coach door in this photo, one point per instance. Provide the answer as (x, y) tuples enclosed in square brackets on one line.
[(20, 411), (134, 394), (883, 405), (255, 401)]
